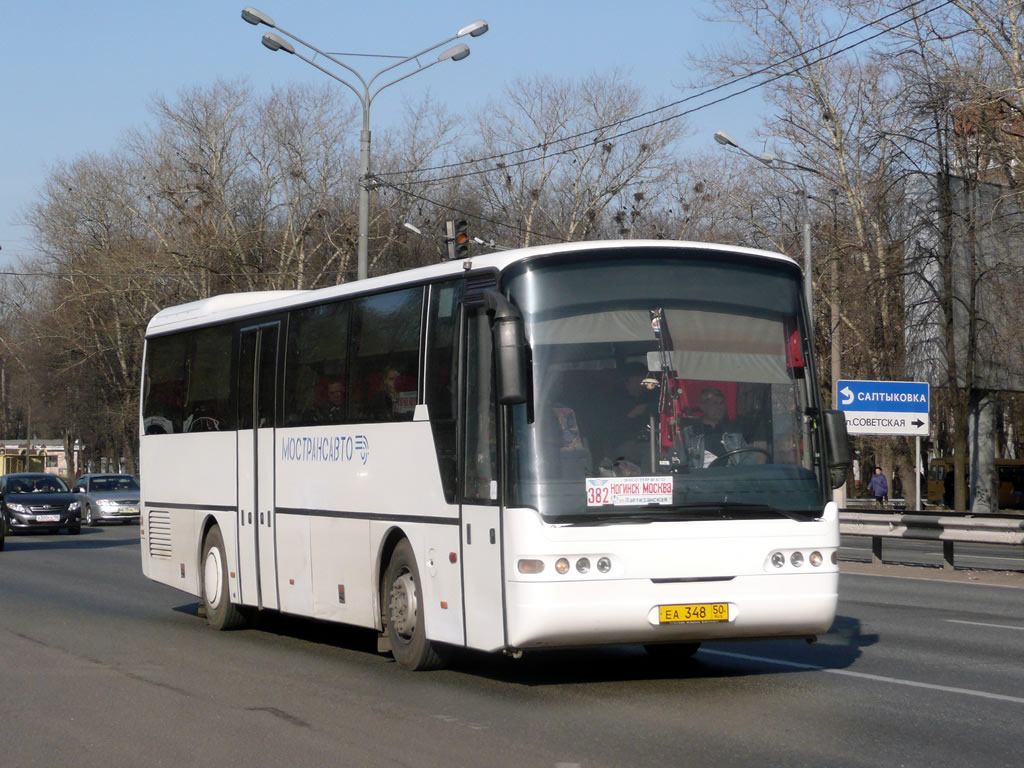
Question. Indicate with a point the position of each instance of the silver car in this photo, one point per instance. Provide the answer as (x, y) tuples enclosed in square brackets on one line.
[(107, 498)]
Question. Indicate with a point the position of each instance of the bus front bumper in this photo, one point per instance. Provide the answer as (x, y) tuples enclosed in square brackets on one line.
[(601, 612)]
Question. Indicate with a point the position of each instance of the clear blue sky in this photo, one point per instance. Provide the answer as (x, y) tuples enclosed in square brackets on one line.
[(77, 75)]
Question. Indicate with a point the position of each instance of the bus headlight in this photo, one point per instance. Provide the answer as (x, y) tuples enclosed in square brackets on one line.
[(815, 559), (797, 559), (583, 564), (778, 559)]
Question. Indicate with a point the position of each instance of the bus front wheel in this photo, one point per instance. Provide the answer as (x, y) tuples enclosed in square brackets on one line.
[(221, 613), (402, 599)]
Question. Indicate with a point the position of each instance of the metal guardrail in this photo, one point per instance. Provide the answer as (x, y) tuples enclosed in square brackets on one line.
[(949, 529)]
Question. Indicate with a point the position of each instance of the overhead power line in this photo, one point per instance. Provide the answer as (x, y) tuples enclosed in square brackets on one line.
[(474, 216), (732, 82), (768, 68)]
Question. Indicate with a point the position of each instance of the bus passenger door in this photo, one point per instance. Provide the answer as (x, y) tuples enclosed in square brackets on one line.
[(483, 593), (257, 406)]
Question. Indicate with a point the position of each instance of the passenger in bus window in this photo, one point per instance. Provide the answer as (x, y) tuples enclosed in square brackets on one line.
[(715, 437), (385, 402), (332, 406)]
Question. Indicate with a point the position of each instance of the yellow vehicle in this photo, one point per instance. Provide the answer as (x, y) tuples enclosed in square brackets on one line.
[(1011, 481)]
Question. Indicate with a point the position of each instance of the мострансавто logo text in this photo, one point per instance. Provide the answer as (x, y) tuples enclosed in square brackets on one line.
[(329, 448)]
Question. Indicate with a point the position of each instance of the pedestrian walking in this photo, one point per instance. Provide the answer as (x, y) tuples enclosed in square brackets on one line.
[(879, 487)]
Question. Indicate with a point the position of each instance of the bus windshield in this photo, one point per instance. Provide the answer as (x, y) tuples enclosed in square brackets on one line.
[(665, 386)]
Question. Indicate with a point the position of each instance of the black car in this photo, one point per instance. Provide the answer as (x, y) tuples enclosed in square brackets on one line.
[(38, 501)]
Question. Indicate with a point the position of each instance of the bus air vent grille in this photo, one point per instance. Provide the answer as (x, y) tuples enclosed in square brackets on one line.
[(159, 529)]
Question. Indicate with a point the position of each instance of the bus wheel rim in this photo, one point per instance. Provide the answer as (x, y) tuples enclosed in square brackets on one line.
[(402, 605), (212, 574)]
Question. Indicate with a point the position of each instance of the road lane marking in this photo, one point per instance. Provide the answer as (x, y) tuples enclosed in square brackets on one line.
[(982, 624), (866, 676)]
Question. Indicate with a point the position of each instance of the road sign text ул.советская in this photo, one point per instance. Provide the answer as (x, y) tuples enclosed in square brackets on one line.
[(884, 407)]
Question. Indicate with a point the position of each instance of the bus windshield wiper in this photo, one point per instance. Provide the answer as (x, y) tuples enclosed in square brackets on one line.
[(672, 512), (741, 508)]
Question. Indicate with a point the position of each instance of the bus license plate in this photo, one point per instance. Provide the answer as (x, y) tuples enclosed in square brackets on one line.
[(697, 613)]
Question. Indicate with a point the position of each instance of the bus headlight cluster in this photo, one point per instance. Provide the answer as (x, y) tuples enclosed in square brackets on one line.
[(564, 565), (798, 559)]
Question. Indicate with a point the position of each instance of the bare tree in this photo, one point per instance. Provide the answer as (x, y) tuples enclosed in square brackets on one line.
[(563, 154), (958, 89), (836, 127)]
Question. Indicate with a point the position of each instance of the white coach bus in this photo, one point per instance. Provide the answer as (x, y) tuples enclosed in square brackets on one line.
[(592, 443)]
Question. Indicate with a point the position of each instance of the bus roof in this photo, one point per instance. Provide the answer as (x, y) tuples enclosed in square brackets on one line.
[(234, 305)]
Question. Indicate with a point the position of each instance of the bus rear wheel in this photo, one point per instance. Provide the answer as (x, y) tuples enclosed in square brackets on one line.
[(221, 613), (402, 601)]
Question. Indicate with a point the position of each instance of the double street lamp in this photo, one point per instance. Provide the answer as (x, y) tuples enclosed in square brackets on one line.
[(366, 93)]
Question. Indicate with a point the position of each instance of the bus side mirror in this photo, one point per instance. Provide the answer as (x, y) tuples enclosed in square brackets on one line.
[(838, 445), (509, 348)]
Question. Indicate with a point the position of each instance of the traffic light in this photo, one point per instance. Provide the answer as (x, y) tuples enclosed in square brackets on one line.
[(457, 239)]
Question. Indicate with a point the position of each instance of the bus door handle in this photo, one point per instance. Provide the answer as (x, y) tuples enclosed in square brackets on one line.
[(492, 536), (261, 518)]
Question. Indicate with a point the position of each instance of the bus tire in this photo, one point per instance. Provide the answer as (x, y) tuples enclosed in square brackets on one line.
[(221, 613), (402, 600)]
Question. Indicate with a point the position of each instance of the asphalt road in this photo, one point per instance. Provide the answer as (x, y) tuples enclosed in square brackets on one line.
[(101, 667)]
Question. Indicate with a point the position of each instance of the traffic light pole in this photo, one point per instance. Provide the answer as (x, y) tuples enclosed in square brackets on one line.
[(363, 243)]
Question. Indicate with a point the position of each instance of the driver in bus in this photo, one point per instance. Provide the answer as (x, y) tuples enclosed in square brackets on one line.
[(715, 437)]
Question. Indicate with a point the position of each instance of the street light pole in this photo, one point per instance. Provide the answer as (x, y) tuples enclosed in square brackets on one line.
[(366, 94), (769, 160)]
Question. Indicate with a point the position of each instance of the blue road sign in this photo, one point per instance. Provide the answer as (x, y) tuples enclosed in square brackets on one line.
[(884, 407)]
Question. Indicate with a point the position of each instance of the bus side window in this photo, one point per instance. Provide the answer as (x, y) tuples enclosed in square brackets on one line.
[(480, 480), (163, 402), (385, 343), (208, 394), (440, 388), (315, 365)]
